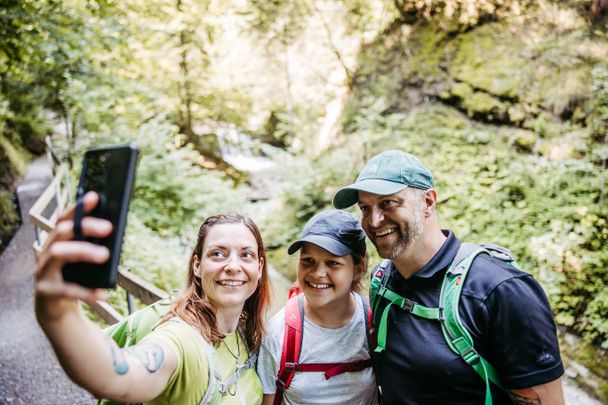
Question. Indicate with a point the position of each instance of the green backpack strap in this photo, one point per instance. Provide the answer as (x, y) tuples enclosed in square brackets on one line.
[(456, 335), (378, 289), (380, 276)]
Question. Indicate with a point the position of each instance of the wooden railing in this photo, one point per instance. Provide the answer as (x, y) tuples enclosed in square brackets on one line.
[(44, 214)]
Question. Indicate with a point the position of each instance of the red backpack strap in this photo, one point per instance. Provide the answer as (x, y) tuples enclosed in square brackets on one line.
[(292, 344), (369, 323), (294, 290)]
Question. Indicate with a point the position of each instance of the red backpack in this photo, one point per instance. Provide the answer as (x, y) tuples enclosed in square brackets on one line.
[(292, 346)]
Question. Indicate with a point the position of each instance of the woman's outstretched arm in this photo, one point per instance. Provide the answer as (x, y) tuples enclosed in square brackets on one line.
[(88, 356)]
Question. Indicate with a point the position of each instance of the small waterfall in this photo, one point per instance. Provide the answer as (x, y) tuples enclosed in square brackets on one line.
[(239, 149)]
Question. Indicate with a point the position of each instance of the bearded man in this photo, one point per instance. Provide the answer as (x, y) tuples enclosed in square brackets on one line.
[(504, 309)]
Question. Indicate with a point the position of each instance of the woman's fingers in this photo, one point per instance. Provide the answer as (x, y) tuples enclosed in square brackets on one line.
[(90, 201), (76, 251), (61, 248), (91, 226), (58, 289)]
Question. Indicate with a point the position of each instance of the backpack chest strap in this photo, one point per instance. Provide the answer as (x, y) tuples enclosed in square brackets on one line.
[(405, 304), (331, 369)]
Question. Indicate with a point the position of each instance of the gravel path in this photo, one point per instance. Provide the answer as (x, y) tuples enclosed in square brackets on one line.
[(29, 371)]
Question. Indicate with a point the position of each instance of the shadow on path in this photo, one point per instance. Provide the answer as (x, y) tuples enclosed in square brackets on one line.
[(29, 370)]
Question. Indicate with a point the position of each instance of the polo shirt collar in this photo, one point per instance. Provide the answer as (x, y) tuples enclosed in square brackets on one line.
[(442, 258)]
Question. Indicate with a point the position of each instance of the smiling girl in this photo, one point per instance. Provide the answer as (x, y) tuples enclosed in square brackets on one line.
[(332, 364), (212, 326)]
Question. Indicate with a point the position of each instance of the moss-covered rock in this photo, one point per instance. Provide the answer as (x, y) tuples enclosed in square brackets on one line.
[(9, 218), (485, 107), (12, 163), (586, 364)]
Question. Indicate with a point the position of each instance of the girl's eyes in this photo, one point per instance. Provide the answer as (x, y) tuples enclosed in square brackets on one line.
[(307, 260), (217, 253)]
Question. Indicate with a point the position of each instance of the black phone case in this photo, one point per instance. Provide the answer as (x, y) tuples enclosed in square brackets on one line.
[(110, 171)]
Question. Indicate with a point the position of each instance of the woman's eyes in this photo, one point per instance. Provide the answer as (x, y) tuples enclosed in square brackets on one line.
[(217, 253), (248, 255)]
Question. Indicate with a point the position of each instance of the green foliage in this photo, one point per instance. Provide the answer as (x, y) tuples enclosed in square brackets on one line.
[(457, 14), (159, 260), (9, 219), (12, 163), (172, 192)]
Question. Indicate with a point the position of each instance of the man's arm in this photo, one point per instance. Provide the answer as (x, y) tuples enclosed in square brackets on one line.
[(549, 393)]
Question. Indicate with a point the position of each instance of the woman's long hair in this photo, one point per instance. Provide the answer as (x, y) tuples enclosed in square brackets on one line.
[(193, 307)]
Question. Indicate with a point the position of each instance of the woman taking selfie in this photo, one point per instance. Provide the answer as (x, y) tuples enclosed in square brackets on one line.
[(213, 324), (316, 348)]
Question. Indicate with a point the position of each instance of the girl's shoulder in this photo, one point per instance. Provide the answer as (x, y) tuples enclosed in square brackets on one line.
[(275, 327)]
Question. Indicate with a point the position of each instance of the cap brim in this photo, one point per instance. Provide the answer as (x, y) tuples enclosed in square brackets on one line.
[(347, 196), (325, 242)]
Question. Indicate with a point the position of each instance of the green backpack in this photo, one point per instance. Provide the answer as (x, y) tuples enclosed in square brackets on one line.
[(456, 335), (132, 329)]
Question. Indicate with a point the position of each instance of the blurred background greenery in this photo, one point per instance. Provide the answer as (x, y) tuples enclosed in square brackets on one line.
[(267, 107)]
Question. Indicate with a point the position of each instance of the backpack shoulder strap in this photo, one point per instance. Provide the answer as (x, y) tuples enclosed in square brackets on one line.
[(292, 345), (380, 276), (369, 322), (136, 326), (212, 394), (456, 335)]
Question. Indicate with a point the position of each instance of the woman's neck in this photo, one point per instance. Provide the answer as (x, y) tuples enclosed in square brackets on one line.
[(333, 315), (227, 319)]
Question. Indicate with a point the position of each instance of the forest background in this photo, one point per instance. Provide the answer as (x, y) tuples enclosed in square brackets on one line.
[(506, 101)]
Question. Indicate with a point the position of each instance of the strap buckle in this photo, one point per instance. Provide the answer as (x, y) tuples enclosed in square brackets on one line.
[(408, 305), (470, 356), (290, 366)]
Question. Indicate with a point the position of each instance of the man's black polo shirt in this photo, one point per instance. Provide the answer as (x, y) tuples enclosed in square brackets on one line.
[(504, 309)]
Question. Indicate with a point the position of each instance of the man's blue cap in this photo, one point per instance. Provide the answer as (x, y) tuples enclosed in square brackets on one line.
[(336, 231), (385, 174)]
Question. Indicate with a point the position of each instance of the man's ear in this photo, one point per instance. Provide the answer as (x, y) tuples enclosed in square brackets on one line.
[(196, 266), (430, 199)]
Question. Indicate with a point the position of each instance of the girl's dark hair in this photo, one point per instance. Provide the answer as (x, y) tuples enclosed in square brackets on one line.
[(361, 263), (193, 307)]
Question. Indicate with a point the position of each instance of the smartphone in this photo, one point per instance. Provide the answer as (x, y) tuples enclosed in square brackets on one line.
[(109, 171)]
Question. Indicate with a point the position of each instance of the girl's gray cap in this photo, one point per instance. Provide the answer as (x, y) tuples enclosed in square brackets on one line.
[(336, 231)]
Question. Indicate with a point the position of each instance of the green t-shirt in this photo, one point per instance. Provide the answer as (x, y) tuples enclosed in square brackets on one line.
[(189, 381)]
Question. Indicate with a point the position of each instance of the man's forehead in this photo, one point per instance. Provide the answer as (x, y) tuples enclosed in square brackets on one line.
[(363, 197)]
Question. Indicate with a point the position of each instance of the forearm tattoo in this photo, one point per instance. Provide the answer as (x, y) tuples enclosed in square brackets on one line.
[(529, 398), (118, 358), (151, 356)]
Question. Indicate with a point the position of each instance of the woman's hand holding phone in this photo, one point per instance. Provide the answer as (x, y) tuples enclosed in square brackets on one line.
[(54, 296)]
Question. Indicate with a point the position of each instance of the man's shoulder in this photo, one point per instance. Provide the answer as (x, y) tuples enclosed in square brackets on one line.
[(488, 273)]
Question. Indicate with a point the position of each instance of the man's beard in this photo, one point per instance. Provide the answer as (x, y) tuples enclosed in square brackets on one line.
[(409, 232)]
